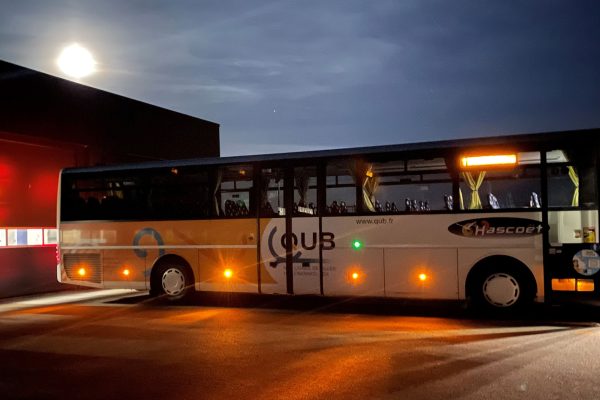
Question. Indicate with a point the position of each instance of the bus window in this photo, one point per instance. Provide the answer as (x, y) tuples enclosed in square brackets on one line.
[(271, 193), (305, 191), (340, 194), (570, 185), (103, 198), (563, 186), (173, 193), (177, 193), (508, 187), (232, 194), (406, 186)]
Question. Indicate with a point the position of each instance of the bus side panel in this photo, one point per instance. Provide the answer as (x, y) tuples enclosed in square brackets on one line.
[(272, 256), (88, 261), (306, 255), (240, 263), (350, 270), (123, 270), (347, 271), (427, 242), (531, 257), (422, 273), (208, 246), (226, 245)]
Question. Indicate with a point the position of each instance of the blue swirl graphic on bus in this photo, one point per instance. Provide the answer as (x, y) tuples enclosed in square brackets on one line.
[(142, 253)]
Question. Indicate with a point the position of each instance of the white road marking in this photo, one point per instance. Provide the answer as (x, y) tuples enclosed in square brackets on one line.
[(61, 298), (135, 349)]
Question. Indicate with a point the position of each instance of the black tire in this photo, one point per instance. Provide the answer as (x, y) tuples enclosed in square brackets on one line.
[(501, 289), (172, 281)]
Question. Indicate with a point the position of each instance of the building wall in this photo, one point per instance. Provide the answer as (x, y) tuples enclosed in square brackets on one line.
[(48, 123), (114, 128), (28, 188)]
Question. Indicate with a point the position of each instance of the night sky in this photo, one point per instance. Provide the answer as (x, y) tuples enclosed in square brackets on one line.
[(298, 75)]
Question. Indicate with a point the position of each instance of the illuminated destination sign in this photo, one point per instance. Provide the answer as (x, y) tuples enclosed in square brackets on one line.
[(496, 227)]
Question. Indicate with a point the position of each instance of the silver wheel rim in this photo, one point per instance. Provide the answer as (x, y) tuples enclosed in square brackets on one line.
[(173, 281), (501, 290)]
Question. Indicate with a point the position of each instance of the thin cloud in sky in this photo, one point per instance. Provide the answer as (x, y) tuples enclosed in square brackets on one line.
[(285, 75)]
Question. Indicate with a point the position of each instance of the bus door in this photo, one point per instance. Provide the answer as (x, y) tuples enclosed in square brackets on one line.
[(302, 228), (571, 257), (288, 227), (272, 226)]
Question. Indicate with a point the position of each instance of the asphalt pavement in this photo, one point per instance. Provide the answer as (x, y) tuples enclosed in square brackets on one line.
[(121, 344)]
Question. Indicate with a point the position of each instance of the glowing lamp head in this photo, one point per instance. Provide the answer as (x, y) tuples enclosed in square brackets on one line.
[(228, 273), (489, 160), (81, 272), (126, 272), (422, 277), (357, 244), (355, 275)]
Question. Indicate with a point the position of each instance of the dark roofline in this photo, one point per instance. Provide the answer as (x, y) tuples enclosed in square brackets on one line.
[(104, 92), (549, 139)]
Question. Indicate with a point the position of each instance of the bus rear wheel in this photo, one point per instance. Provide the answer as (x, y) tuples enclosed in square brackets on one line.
[(172, 282), (501, 289)]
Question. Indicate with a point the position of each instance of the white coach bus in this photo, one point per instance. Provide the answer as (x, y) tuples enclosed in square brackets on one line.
[(502, 221)]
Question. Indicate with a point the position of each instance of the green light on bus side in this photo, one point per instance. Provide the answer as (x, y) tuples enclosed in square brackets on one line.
[(356, 244)]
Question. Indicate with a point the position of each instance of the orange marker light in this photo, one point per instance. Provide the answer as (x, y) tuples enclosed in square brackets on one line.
[(126, 272), (479, 161), (355, 275), (422, 277), (81, 271), (228, 273)]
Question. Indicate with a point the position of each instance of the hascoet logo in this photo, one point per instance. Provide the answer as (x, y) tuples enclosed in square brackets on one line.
[(497, 227)]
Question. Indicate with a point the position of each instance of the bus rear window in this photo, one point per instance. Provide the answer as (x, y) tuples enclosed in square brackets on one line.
[(153, 194)]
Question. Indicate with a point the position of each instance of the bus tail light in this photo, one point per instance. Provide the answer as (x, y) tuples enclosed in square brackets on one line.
[(563, 285), (573, 285), (585, 285)]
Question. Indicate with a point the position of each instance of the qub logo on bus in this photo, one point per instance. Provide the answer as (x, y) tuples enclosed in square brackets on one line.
[(307, 241)]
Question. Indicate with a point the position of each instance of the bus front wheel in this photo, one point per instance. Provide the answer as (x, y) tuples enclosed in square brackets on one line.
[(172, 281)]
